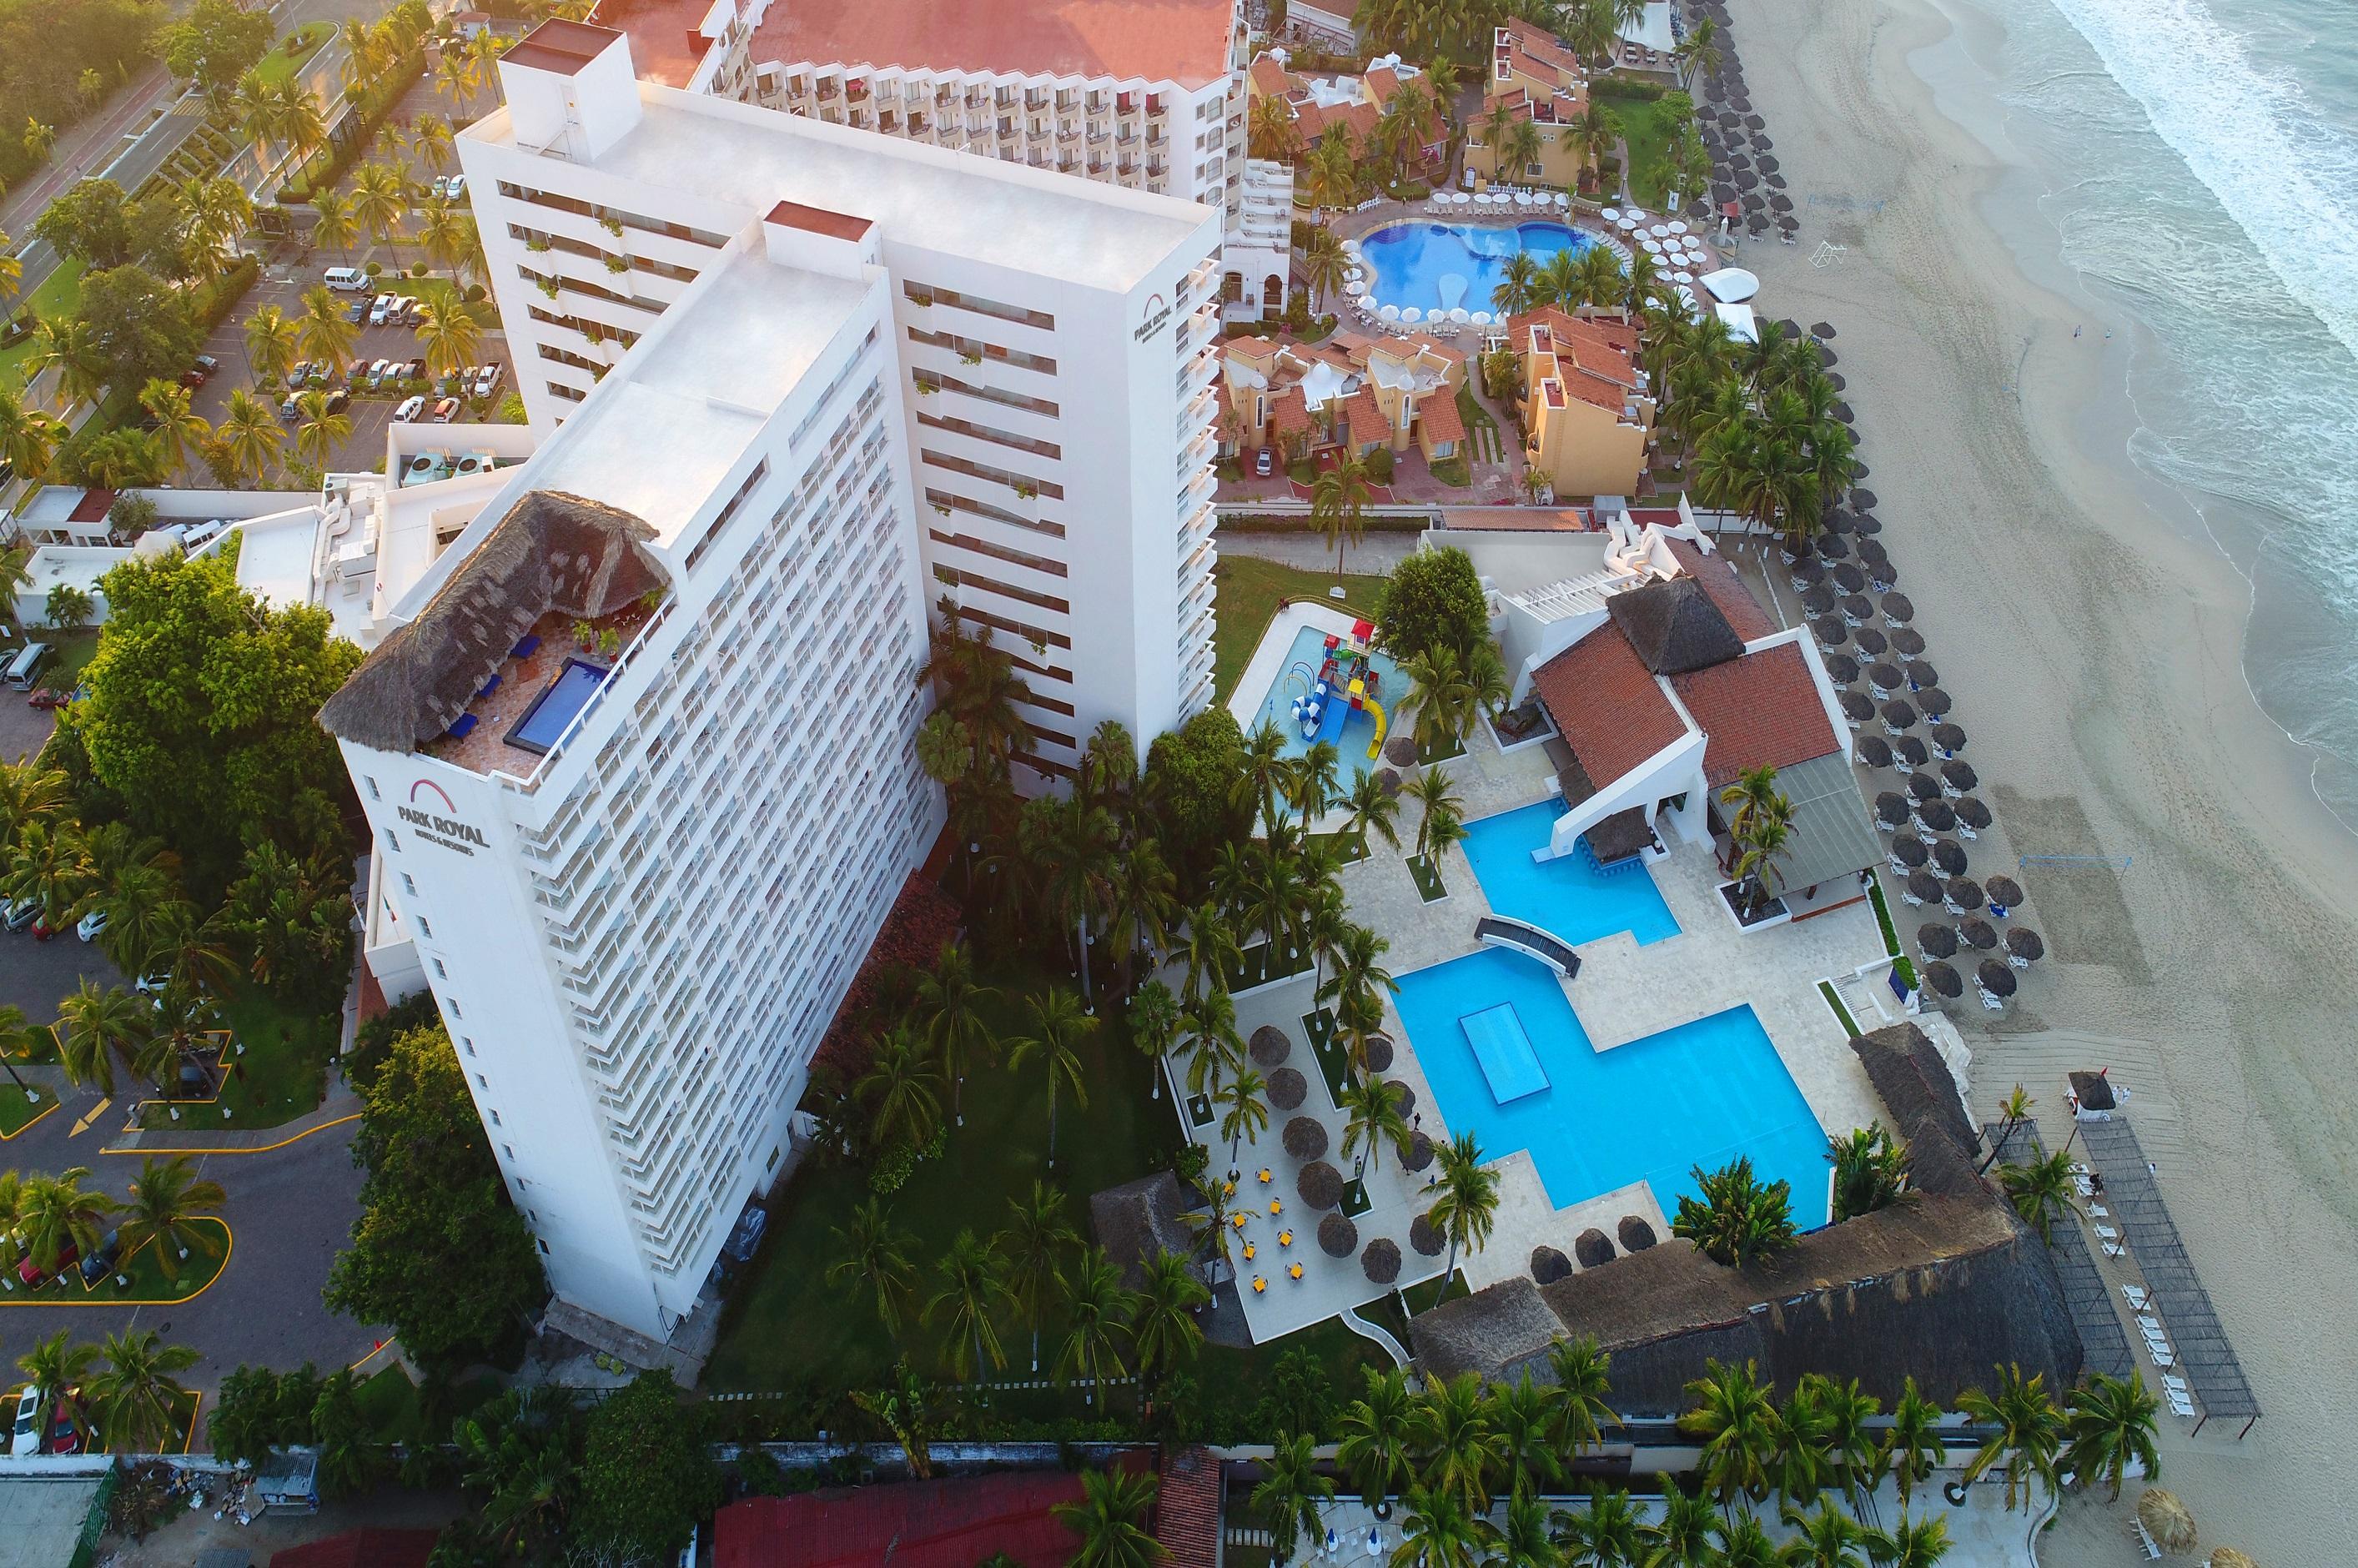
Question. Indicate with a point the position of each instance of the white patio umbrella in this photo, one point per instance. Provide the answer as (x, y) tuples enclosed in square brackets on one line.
[(1627, 224), (1459, 315), (1562, 201), (1678, 225), (1481, 318), (1653, 247), (1681, 278), (1389, 312), (1411, 314), (1639, 213), (1459, 197), (1660, 231), (1611, 214), (1354, 285)]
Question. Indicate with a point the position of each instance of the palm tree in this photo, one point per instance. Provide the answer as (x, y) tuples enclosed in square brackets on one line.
[(1377, 1430), (973, 1291), (1247, 1099), (1324, 264), (1736, 1418), (58, 1212), (1912, 1449), (2040, 1190), (1371, 1109), (1518, 150), (28, 435), (46, 866), (333, 224), (1441, 1532), (1739, 1219), (1584, 1374), (1849, 1449), (1214, 1050), (1338, 502), (950, 999), (1290, 1493), (250, 435), (1744, 1543), (1333, 170), (1108, 1519), (1069, 847), (1209, 949), (900, 1090), (180, 431), (326, 336), (59, 1369), (1918, 1544), (1458, 1449), (96, 1024), (1164, 1329), (1526, 1417), (1527, 1541), (1698, 55), (2111, 1421), (139, 1393), (1373, 809), (166, 1198), (16, 1039), (1870, 1171), (1358, 967), (1058, 1028), (1606, 1534), (319, 429), (1442, 827), (12, 271), (1034, 1247), (1141, 904), (185, 1023), (1829, 1537), (430, 142), (1758, 851), (450, 334), (440, 231), (2026, 1433), (871, 1255), (2012, 1112), (380, 199), (1271, 131), (1753, 796), (1097, 1312), (1468, 1203)]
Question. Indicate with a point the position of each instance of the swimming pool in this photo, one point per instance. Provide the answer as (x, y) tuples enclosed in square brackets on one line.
[(544, 724), (1651, 1110), (1569, 895), (1354, 732), (1443, 267)]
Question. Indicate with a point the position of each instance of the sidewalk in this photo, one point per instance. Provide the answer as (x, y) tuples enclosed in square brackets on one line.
[(341, 1105)]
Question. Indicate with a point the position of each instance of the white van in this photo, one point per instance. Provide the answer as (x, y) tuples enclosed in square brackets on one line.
[(27, 665), (346, 279)]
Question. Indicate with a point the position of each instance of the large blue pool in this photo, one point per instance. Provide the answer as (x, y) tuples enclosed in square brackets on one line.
[(1353, 731), (1443, 267), (1568, 896), (1652, 1110)]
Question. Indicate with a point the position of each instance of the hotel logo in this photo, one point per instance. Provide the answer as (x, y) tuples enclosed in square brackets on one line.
[(448, 832), (1158, 316)]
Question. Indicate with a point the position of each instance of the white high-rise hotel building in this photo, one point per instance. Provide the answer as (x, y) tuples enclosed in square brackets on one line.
[(638, 749)]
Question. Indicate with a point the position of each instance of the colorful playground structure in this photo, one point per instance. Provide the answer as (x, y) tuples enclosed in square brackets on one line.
[(1344, 683)]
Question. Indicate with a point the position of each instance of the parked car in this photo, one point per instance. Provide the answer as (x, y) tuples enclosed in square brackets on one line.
[(90, 924), (202, 372), (380, 310), (288, 408), (50, 697), (338, 400), (414, 369), (457, 188), (26, 1441), (152, 984), (380, 373), (19, 914), (356, 374), (64, 1436), (446, 410), (101, 1263), (405, 310), (298, 373), (410, 408), (34, 1275), (357, 312), (487, 379), (1263, 463)]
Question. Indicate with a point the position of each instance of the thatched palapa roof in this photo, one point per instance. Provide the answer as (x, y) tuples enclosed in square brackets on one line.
[(552, 554), (1548, 1265), (1675, 626), (1139, 1220)]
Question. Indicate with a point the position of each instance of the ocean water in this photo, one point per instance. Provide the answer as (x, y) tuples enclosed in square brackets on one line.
[(2199, 159)]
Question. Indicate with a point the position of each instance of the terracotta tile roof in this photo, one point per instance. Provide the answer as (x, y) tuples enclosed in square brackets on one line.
[(1442, 421), (1606, 703), (1270, 78), (917, 1524), (1435, 347), (1366, 417), (1760, 710), (95, 502), (1359, 120), (819, 221), (1188, 1508), (1288, 413), (1259, 347), (361, 1549), (1727, 590), (665, 42), (1183, 41), (1542, 46)]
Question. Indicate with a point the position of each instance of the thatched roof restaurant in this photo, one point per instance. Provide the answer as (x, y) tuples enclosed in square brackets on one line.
[(1941, 1288), (1139, 1221)]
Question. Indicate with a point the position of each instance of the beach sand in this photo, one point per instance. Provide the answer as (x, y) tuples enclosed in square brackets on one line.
[(2092, 641)]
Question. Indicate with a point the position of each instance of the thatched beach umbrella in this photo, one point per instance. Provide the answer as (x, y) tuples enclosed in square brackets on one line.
[(2228, 1557), (1745, 179), (1549, 1265), (1977, 934), (1841, 385), (1780, 202), (1923, 886), (1425, 1236), (1892, 810), (1379, 1052), (1837, 521), (1908, 752), (1971, 813), (1821, 331), (1287, 1089), (1936, 941), (1401, 751), (1419, 1152), (1270, 1046), (1874, 751), (1855, 705), (1921, 790), (1949, 857), (2023, 947), (1996, 978), (1759, 138), (2004, 893), (1808, 572), (1920, 672), (1831, 631), (1941, 980), (1905, 640), (1730, 119), (1909, 855), (1936, 816), (1898, 610), (1844, 412), (1862, 501), (1871, 642), (1404, 1095), (1899, 717), (1306, 1138), (1882, 576), (1948, 738), (1840, 668), (1932, 699), (1593, 1250), (2165, 1518), (1872, 550), (1320, 1184), (1959, 778), (1883, 678), (1388, 781), (1855, 610), (1848, 577), (1635, 1233), (1338, 1236), (1381, 1260), (1818, 599), (1755, 122)]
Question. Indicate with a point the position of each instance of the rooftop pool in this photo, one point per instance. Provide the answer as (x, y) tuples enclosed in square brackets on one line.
[(1698, 1095), (1433, 266), (1568, 896), (1356, 733), (544, 724)]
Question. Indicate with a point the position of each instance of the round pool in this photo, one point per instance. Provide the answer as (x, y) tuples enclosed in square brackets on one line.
[(1443, 266)]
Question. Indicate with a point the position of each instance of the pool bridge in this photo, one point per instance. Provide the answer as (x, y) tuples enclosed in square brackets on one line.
[(1522, 936)]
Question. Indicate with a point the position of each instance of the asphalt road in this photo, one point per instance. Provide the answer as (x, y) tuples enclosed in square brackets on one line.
[(290, 1211)]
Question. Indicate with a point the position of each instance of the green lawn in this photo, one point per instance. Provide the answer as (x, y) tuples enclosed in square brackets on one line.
[(59, 295), (1906, 969), (1248, 596), (278, 1077), (1481, 431), (17, 1109), (787, 1327), (277, 66), (1647, 127), (1429, 885), (1850, 1024)]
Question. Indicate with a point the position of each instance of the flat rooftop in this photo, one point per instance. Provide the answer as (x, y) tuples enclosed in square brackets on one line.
[(1075, 230), (675, 415)]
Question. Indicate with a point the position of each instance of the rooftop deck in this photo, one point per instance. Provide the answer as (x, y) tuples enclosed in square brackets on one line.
[(488, 745)]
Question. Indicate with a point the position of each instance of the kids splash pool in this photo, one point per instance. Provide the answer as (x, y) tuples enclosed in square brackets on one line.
[(1357, 728), (1443, 266)]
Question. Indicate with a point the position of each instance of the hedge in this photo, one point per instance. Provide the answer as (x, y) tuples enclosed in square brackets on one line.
[(1628, 87), (345, 151)]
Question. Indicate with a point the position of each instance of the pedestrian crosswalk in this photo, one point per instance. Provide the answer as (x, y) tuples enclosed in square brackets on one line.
[(191, 107)]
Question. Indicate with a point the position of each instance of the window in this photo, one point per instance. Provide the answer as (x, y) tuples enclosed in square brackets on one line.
[(392, 840), (510, 1150), (493, 1115), (372, 791), (928, 294), (974, 346), (409, 884), (1533, 170), (542, 1245), (570, 395), (1031, 445), (482, 1082), (469, 1041), (423, 929), (456, 1011)]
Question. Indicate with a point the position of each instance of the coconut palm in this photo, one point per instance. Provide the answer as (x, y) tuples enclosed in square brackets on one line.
[(1526, 1417), (1323, 263), (16, 1039), (1214, 1049), (319, 429), (11, 270), (1744, 1543), (1358, 967), (326, 337), (2111, 1422), (451, 336), (1870, 1171), (28, 435), (249, 435), (1468, 1203), (1210, 951), (1849, 1448), (1735, 1417), (1606, 1534), (189, 947), (1441, 1530), (1245, 1115), (1371, 1109), (1069, 847), (1739, 1217), (380, 199), (1333, 168), (2012, 1112), (1518, 149), (140, 1396), (1759, 849), (1338, 505), (2040, 1190), (1290, 1494), (1378, 1431), (1058, 1028), (1164, 1329), (1829, 1537), (900, 1090), (949, 999), (96, 1025), (973, 1293), (1035, 1246), (439, 232), (1097, 1313), (1109, 1518), (45, 867), (1141, 904), (180, 431), (186, 1022), (2025, 1433), (431, 142), (1154, 1029), (58, 1212), (1912, 1449), (1516, 281), (1373, 809), (166, 1198), (1916, 1543), (332, 222), (871, 1255), (1698, 53), (1271, 131), (60, 1369), (1458, 1449), (1583, 1373)]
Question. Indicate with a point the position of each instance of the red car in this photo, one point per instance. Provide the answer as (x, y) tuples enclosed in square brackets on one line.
[(35, 1276), (64, 1436), (46, 697)]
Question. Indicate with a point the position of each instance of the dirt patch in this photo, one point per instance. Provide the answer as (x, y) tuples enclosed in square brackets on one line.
[(2074, 883)]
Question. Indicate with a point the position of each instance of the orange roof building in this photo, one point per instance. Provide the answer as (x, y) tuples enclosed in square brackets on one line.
[(1350, 391), (1536, 79), (1588, 412), (1357, 105)]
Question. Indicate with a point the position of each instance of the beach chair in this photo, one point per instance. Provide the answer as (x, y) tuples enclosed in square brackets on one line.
[(2162, 1358), (2108, 1233), (2136, 1294), (2182, 1406), (2099, 1211), (2174, 1384), (2115, 1250), (2145, 1538), (2147, 1321)]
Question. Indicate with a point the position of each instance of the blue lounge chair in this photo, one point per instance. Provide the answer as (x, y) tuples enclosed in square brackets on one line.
[(526, 647), (464, 727)]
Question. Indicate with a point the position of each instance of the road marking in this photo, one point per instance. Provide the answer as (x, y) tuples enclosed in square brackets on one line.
[(85, 1123)]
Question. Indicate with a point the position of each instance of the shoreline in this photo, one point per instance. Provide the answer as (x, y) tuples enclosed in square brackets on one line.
[(2079, 612)]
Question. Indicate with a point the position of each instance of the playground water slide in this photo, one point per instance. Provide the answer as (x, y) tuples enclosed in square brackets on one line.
[(1334, 717), (1377, 745)]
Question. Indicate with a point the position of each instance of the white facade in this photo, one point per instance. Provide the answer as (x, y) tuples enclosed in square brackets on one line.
[(637, 939)]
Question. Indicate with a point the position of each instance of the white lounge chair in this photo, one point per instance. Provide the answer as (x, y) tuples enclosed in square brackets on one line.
[(2150, 1323), (2184, 1407), (2108, 1233), (2099, 1211), (2115, 1250), (2162, 1358), (2136, 1294), (2174, 1384)]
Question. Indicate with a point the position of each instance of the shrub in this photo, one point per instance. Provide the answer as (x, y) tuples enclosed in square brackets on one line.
[(1379, 465), (1432, 599), (1452, 471)]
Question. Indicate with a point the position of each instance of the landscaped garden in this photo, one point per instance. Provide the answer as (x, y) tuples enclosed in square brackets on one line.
[(1252, 590)]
